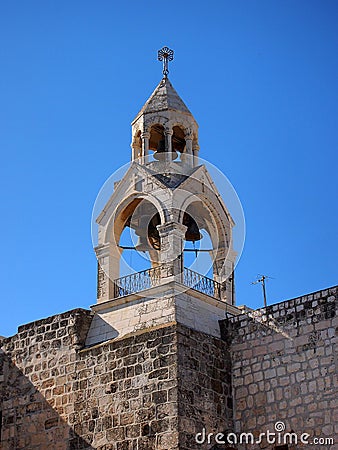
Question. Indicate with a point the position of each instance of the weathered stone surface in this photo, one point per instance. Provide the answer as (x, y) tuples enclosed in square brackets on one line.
[(288, 376), (157, 388), (119, 394)]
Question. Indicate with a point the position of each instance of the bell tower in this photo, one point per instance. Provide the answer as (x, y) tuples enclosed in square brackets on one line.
[(168, 199)]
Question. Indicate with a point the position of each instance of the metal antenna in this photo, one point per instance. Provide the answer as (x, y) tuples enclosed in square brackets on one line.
[(165, 55), (261, 279)]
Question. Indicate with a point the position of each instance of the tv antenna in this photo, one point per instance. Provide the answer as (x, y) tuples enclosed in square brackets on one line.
[(261, 280)]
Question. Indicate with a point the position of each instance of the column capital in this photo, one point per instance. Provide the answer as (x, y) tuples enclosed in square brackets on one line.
[(134, 145), (172, 227)]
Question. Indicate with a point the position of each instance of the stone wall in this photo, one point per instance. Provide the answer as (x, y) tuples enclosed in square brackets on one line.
[(118, 395), (284, 367), (36, 392), (151, 390), (204, 387), (158, 387)]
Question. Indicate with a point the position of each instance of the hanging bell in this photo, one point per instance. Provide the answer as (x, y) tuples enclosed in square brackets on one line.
[(153, 234), (192, 234), (142, 244), (161, 151)]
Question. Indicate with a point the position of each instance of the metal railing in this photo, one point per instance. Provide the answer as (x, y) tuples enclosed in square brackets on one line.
[(201, 283), (139, 281), (136, 282)]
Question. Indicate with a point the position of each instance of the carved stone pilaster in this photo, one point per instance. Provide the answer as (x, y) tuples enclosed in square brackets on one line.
[(172, 241), (168, 144), (145, 136)]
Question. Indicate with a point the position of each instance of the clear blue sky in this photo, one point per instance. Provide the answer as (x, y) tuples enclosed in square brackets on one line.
[(261, 80)]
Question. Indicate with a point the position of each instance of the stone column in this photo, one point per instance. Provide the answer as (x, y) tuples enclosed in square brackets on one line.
[(108, 257), (195, 151), (145, 136), (168, 144), (171, 254), (136, 151), (102, 254), (223, 271), (187, 156)]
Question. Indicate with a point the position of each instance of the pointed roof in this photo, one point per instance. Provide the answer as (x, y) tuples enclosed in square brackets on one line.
[(164, 98)]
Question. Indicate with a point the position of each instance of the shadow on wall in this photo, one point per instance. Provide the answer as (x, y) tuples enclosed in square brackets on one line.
[(32, 421)]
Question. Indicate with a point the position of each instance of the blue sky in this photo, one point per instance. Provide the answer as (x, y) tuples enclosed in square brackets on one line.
[(260, 78)]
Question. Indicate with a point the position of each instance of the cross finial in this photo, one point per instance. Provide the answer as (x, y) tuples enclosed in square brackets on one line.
[(165, 55)]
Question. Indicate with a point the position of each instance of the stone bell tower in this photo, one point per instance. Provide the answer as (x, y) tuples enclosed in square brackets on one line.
[(167, 198), (157, 327), (164, 359)]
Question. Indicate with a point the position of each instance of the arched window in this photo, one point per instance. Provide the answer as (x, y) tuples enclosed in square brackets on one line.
[(178, 141), (139, 240), (157, 139)]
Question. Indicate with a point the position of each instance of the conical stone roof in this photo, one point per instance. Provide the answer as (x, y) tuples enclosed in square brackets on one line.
[(164, 98)]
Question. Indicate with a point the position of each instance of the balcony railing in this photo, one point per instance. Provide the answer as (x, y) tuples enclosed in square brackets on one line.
[(136, 282), (139, 281), (200, 283)]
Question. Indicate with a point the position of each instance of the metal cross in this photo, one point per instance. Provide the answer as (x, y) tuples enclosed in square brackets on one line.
[(165, 55)]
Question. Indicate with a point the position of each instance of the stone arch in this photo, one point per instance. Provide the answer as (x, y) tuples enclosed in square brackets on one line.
[(155, 120), (157, 135), (217, 223), (178, 138), (124, 216), (123, 211), (202, 210)]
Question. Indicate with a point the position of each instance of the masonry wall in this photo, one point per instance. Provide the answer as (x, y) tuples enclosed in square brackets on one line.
[(37, 382), (204, 387), (157, 388), (119, 395), (284, 367), (152, 390)]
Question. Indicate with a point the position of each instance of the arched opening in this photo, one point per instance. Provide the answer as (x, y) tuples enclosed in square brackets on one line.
[(156, 140), (197, 255), (131, 261), (178, 141), (205, 259), (204, 237), (139, 240)]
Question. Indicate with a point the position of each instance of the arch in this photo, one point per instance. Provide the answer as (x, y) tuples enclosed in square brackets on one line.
[(123, 211), (156, 136), (201, 262), (141, 214), (178, 139), (216, 222), (206, 218), (155, 119)]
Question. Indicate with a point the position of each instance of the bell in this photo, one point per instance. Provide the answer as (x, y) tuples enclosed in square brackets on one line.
[(192, 234), (153, 234), (142, 244), (160, 153)]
